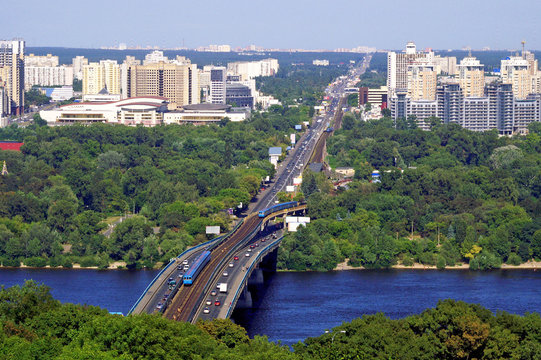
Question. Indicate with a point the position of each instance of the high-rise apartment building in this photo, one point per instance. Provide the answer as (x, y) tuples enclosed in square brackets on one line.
[(12, 74), (445, 64), (102, 75), (34, 60), (422, 82), (515, 70), (218, 79), (399, 64), (47, 76), (78, 62), (111, 72), (177, 83), (93, 78), (129, 61), (471, 77)]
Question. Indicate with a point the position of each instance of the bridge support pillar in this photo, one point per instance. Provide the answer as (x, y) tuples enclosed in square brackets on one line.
[(256, 278), (245, 299)]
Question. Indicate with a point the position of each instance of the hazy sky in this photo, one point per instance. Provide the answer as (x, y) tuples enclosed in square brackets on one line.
[(309, 24)]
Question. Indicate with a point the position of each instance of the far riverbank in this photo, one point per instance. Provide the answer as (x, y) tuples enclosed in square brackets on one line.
[(529, 265)]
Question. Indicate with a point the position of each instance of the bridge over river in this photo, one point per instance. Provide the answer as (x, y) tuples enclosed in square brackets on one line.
[(239, 256)]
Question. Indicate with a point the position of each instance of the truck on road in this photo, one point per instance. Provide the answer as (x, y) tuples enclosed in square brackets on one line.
[(223, 287)]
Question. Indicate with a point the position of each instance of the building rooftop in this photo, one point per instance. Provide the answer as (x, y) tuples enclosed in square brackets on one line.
[(275, 150), (206, 107)]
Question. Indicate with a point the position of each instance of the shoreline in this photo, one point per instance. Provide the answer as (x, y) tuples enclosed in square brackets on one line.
[(118, 265), (529, 265)]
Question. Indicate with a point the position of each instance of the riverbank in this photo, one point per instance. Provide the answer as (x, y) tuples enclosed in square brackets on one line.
[(529, 265), (117, 265)]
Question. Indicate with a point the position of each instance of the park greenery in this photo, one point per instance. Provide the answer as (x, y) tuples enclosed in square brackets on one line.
[(300, 84), (33, 325), (446, 197), (68, 183)]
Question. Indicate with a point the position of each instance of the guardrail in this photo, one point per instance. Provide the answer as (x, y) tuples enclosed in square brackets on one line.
[(246, 276), (219, 238), (218, 268)]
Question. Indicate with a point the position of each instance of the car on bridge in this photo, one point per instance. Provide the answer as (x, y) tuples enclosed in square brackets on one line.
[(217, 303), (208, 302), (206, 310)]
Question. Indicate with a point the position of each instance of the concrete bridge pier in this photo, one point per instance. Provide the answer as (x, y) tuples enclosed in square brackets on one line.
[(245, 300), (256, 278)]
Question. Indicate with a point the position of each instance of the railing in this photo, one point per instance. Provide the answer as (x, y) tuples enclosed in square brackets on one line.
[(219, 238), (244, 280), (217, 269)]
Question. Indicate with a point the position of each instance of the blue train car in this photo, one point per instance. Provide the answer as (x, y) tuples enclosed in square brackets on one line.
[(198, 265), (278, 207)]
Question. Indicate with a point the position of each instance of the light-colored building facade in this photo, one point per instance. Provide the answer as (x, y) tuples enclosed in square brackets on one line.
[(204, 114), (47, 76), (515, 70), (102, 75), (147, 111), (445, 64), (218, 78), (12, 74), (252, 69), (47, 61), (422, 82), (471, 77), (62, 93), (178, 83), (398, 66), (319, 62), (78, 62)]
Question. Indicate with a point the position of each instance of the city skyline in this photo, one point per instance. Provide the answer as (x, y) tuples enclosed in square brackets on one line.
[(284, 25)]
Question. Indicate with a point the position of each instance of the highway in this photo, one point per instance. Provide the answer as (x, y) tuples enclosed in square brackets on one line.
[(190, 300)]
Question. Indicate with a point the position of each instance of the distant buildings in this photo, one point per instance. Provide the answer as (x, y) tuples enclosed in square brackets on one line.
[(144, 110), (252, 69), (12, 75), (218, 77), (466, 97), (176, 80), (102, 75), (320, 62)]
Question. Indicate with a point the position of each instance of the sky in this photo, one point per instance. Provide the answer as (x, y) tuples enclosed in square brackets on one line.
[(306, 24)]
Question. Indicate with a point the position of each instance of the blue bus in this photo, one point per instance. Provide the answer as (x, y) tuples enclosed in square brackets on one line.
[(287, 205), (198, 265)]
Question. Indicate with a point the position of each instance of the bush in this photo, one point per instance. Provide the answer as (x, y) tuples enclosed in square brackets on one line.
[(514, 259), (35, 262), (55, 261), (88, 261), (474, 264), (407, 261), (67, 263), (440, 263)]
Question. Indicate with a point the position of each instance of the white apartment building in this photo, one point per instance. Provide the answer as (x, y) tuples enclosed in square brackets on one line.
[(318, 62), (155, 57), (78, 62), (62, 93), (422, 82), (398, 66), (47, 61), (422, 110), (218, 79), (252, 69), (515, 70), (47, 76)]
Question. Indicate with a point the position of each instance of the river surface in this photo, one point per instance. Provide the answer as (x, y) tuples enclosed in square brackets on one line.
[(293, 306)]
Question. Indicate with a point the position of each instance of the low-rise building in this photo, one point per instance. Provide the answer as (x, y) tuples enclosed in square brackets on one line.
[(145, 110), (200, 114)]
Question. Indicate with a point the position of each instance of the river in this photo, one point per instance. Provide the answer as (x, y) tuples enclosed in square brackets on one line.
[(292, 306)]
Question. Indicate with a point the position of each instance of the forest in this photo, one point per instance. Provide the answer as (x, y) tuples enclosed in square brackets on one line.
[(68, 183), (447, 197), (33, 325)]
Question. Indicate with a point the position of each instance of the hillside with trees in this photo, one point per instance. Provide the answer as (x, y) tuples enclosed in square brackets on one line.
[(446, 197), (68, 181), (33, 325)]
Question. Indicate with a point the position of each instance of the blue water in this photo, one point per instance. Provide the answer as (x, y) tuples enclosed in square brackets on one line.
[(293, 306), (114, 290)]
